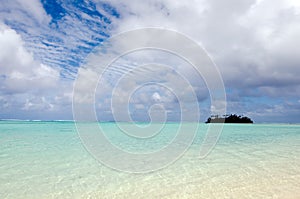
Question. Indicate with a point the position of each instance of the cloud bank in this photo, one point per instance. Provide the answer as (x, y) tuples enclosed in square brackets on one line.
[(255, 45)]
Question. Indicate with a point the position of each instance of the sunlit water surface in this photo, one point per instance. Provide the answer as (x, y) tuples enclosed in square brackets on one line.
[(48, 160)]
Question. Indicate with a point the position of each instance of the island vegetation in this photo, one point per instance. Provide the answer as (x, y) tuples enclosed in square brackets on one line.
[(233, 118)]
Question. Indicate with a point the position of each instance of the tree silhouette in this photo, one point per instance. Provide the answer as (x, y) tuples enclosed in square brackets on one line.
[(233, 118)]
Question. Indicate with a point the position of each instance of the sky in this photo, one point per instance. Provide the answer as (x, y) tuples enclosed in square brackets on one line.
[(255, 45)]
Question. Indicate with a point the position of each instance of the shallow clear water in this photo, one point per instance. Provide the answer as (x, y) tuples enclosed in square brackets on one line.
[(47, 160)]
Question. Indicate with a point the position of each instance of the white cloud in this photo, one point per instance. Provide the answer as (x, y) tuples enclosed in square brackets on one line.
[(249, 40), (19, 71), (38, 104), (156, 97), (34, 8), (28, 85), (31, 12), (254, 43)]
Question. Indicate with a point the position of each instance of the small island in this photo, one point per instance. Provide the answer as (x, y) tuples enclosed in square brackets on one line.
[(233, 118)]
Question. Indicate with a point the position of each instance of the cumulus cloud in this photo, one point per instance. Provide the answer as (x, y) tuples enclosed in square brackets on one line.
[(255, 44), (19, 71), (247, 39), (26, 84)]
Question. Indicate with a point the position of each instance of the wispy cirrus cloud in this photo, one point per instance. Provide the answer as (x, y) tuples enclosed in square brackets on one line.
[(59, 34)]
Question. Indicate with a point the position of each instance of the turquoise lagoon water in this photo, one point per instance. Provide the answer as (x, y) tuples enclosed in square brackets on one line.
[(48, 160)]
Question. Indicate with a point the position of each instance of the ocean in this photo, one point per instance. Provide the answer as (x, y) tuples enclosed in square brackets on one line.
[(48, 160)]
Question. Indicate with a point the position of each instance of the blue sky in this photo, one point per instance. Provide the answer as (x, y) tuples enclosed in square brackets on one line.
[(254, 43)]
